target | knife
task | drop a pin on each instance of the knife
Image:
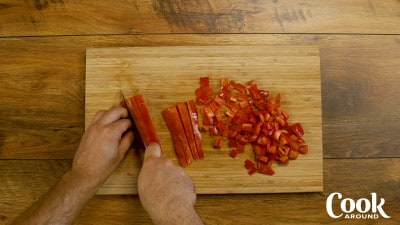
(128, 105)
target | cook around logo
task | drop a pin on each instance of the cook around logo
(363, 208)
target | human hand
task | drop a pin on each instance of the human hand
(165, 190)
(103, 146)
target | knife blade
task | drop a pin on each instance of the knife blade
(128, 105)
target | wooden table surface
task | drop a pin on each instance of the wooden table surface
(42, 71)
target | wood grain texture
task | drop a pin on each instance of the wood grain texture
(41, 93)
(45, 69)
(169, 75)
(66, 17)
(359, 78)
(24, 181)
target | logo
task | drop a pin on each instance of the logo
(362, 208)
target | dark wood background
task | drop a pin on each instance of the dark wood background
(42, 71)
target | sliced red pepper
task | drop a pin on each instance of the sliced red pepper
(142, 119)
(187, 125)
(171, 117)
(195, 126)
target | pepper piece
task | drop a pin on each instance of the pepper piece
(171, 117)
(195, 127)
(142, 119)
(187, 125)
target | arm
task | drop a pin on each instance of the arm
(165, 191)
(102, 148)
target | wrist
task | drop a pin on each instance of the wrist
(183, 214)
(80, 183)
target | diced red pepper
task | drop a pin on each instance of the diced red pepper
(252, 170)
(213, 131)
(243, 139)
(233, 153)
(258, 150)
(219, 100)
(231, 85)
(251, 116)
(249, 164)
(224, 82)
(218, 142)
(244, 104)
(297, 129)
(233, 143)
(220, 126)
(224, 93)
(230, 113)
(293, 154)
(267, 170)
(240, 87)
(204, 81)
(240, 147)
(263, 158)
(247, 127)
(284, 159)
(303, 149)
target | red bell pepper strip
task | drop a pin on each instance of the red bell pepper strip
(195, 127)
(171, 117)
(142, 119)
(187, 125)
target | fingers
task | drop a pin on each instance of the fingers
(120, 126)
(112, 115)
(153, 149)
(98, 115)
(126, 142)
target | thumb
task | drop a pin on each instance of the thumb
(153, 149)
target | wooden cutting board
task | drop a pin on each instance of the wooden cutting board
(168, 75)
